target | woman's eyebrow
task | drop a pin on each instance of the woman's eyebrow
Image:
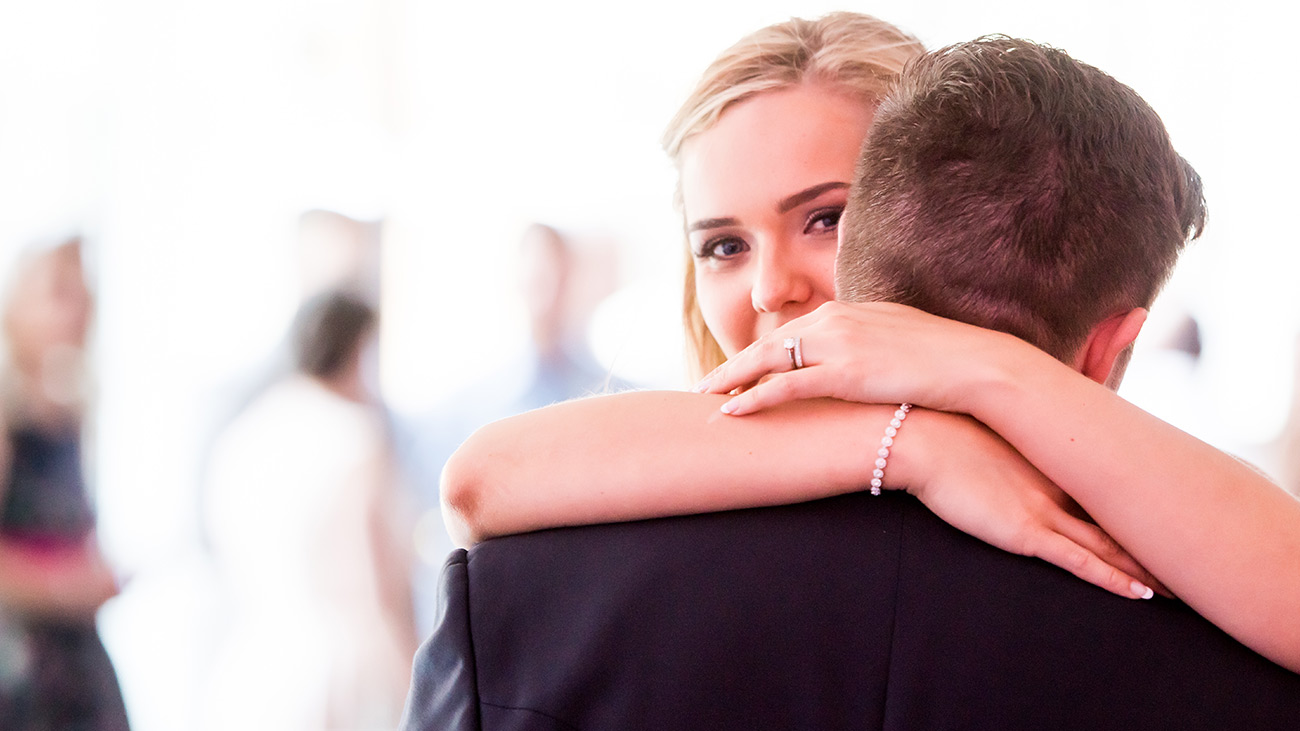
(707, 223)
(789, 204)
(785, 205)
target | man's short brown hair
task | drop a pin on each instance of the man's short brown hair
(1006, 184)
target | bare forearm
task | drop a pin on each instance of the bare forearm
(1214, 530)
(649, 454)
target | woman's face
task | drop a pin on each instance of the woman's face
(763, 190)
(50, 307)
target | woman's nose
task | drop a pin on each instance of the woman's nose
(779, 282)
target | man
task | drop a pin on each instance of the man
(861, 612)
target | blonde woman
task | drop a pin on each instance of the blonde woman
(764, 177)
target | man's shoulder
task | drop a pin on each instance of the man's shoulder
(730, 620)
(852, 612)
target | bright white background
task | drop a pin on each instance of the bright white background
(186, 136)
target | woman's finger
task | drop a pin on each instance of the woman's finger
(779, 389)
(764, 356)
(1100, 543)
(1057, 549)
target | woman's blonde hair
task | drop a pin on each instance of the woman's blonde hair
(859, 53)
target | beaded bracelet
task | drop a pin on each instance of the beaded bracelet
(887, 441)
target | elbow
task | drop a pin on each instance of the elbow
(460, 491)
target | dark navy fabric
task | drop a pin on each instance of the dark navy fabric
(54, 671)
(45, 496)
(855, 612)
(448, 676)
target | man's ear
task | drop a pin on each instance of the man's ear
(1108, 340)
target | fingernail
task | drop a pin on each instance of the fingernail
(1141, 591)
(729, 407)
(702, 386)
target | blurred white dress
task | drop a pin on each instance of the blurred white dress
(302, 510)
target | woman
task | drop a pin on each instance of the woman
(765, 149)
(303, 516)
(54, 671)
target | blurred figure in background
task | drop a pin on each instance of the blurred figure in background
(304, 517)
(54, 671)
(333, 251)
(559, 283)
(561, 366)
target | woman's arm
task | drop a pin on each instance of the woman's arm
(643, 454)
(69, 582)
(1217, 532)
(649, 454)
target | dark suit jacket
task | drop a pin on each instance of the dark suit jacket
(849, 613)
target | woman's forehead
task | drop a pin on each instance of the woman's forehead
(770, 145)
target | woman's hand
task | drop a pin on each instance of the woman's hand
(981, 485)
(871, 352)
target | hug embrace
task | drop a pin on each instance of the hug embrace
(975, 233)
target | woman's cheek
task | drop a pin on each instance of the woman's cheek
(728, 310)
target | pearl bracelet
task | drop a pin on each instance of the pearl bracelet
(887, 441)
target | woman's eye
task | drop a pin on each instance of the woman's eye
(823, 221)
(722, 249)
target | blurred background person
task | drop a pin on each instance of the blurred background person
(304, 518)
(557, 291)
(331, 251)
(54, 671)
(559, 282)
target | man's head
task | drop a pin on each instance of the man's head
(1007, 185)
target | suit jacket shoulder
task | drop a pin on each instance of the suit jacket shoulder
(443, 681)
(854, 612)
